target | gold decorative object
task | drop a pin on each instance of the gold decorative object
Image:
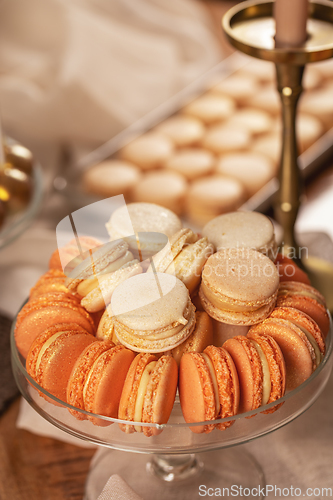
(250, 28)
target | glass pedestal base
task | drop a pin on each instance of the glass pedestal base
(229, 472)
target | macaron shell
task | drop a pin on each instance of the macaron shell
(309, 306)
(58, 360)
(298, 360)
(38, 343)
(41, 319)
(201, 337)
(239, 318)
(103, 391)
(276, 364)
(160, 394)
(130, 389)
(196, 392)
(100, 296)
(228, 383)
(248, 366)
(80, 372)
(302, 320)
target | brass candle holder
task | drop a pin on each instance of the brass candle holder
(250, 28)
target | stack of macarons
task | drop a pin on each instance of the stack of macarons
(114, 327)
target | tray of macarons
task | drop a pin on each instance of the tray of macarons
(171, 341)
(213, 148)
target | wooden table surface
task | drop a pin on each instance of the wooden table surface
(39, 468)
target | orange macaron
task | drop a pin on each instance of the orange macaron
(149, 393)
(298, 351)
(307, 299)
(307, 325)
(96, 381)
(289, 270)
(50, 282)
(74, 249)
(260, 367)
(201, 337)
(39, 314)
(53, 354)
(208, 388)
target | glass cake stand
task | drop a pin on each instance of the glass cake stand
(177, 461)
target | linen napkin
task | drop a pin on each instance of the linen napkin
(117, 489)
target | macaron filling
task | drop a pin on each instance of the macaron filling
(232, 305)
(89, 284)
(266, 377)
(145, 377)
(313, 342)
(214, 381)
(159, 340)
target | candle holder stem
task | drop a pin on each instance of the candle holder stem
(289, 83)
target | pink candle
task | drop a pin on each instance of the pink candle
(290, 19)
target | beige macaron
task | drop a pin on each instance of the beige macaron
(192, 162)
(211, 108)
(224, 138)
(111, 177)
(308, 128)
(325, 68)
(167, 188)
(269, 145)
(263, 71)
(211, 196)
(183, 130)
(242, 229)
(239, 87)
(253, 170)
(135, 218)
(152, 313)
(255, 121)
(239, 286)
(319, 103)
(184, 257)
(267, 98)
(148, 151)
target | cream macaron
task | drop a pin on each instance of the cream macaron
(184, 257)
(211, 196)
(183, 130)
(95, 278)
(111, 178)
(192, 162)
(242, 229)
(148, 151)
(239, 87)
(152, 312)
(239, 286)
(224, 138)
(253, 170)
(255, 121)
(211, 108)
(167, 188)
(135, 218)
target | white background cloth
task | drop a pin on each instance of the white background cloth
(81, 71)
